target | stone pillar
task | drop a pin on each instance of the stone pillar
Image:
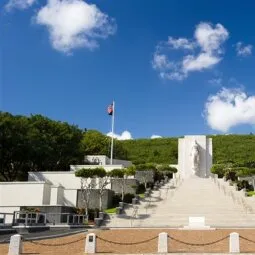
(234, 244)
(16, 245)
(162, 243)
(90, 243)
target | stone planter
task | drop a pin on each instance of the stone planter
(121, 204)
(137, 196)
(101, 215)
(119, 210)
(134, 201)
(146, 194)
(235, 186)
(148, 190)
(98, 222)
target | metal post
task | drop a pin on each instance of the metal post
(113, 114)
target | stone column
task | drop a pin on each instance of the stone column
(90, 243)
(162, 243)
(234, 244)
(16, 245)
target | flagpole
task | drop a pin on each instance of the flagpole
(113, 115)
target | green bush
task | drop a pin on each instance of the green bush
(140, 188)
(244, 185)
(116, 199)
(128, 198)
(231, 175)
(146, 166)
(93, 213)
(245, 171)
(159, 176)
(219, 169)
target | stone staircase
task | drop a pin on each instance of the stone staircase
(172, 205)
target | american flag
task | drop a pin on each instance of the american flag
(110, 109)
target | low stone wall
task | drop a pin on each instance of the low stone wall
(116, 185)
(140, 175)
(94, 199)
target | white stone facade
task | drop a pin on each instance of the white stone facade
(185, 156)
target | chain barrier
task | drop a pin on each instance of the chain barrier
(55, 245)
(196, 244)
(7, 240)
(244, 238)
(135, 243)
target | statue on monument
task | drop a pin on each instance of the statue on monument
(195, 157)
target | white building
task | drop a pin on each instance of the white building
(50, 188)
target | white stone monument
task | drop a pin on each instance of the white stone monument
(194, 156)
(90, 243)
(16, 245)
(163, 242)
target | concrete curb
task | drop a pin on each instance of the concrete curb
(47, 236)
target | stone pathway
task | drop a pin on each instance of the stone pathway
(171, 207)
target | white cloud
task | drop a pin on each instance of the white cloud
(216, 81)
(202, 61)
(229, 108)
(74, 24)
(207, 42)
(209, 38)
(181, 43)
(155, 136)
(126, 135)
(19, 4)
(242, 50)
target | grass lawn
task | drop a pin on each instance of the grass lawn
(141, 195)
(251, 193)
(110, 210)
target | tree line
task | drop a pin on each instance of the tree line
(37, 143)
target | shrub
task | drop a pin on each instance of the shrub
(231, 175)
(219, 169)
(116, 199)
(158, 176)
(93, 213)
(245, 171)
(244, 185)
(147, 166)
(140, 188)
(128, 198)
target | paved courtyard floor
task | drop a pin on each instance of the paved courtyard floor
(142, 241)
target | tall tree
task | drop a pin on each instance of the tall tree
(14, 147)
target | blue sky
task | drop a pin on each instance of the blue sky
(172, 67)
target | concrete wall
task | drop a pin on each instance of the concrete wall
(94, 199)
(104, 160)
(116, 185)
(66, 179)
(70, 197)
(24, 193)
(9, 209)
(106, 167)
(141, 175)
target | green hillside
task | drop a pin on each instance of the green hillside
(226, 148)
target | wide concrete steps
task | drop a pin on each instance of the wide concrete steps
(172, 207)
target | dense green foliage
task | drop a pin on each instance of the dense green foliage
(96, 143)
(36, 143)
(91, 172)
(238, 149)
(164, 150)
